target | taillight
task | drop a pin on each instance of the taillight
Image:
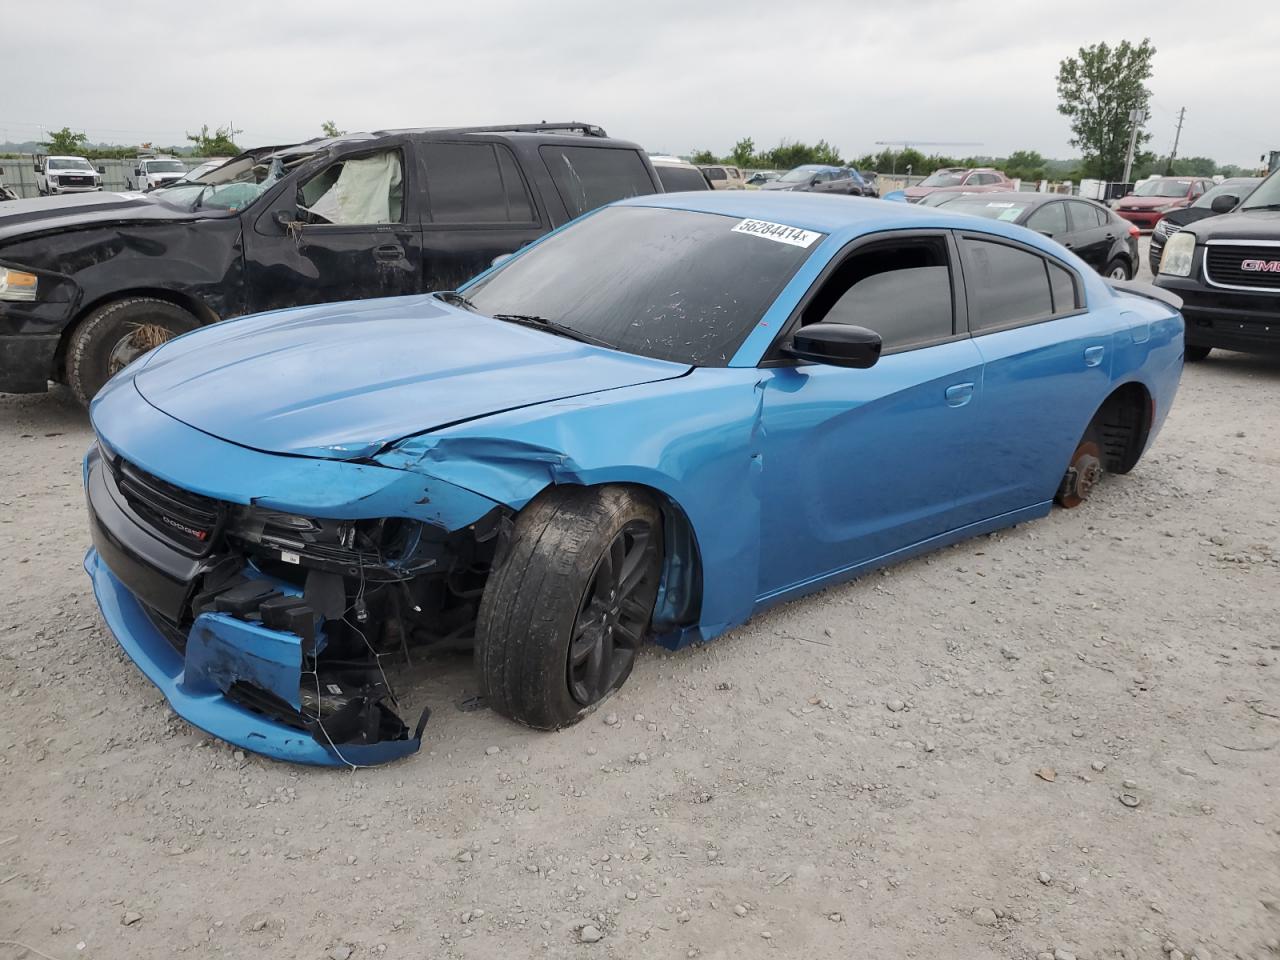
(1134, 231)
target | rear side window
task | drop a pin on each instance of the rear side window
(590, 177)
(675, 179)
(475, 183)
(715, 173)
(901, 290)
(1008, 286)
(1085, 216)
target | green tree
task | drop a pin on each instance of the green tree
(65, 141)
(216, 144)
(330, 129)
(744, 153)
(1025, 165)
(703, 156)
(1096, 90)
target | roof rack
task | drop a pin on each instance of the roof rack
(572, 126)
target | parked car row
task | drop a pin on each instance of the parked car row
(1236, 190)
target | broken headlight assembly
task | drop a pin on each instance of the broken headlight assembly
(17, 284)
(1178, 254)
(347, 547)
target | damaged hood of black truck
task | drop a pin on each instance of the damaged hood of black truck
(74, 211)
(343, 381)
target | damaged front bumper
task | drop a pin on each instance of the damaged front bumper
(272, 621)
(222, 651)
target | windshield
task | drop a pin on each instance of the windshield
(799, 174)
(231, 187)
(669, 284)
(70, 165)
(164, 166)
(943, 178)
(1267, 194)
(976, 205)
(1162, 188)
(1236, 188)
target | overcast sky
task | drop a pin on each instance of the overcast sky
(674, 76)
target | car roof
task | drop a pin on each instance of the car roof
(1019, 196)
(838, 216)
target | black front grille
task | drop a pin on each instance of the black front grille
(180, 516)
(65, 181)
(1243, 266)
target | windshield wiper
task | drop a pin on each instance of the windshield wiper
(551, 326)
(457, 299)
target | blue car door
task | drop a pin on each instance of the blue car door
(860, 463)
(1046, 369)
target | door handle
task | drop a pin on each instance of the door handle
(959, 394)
(1093, 356)
(389, 251)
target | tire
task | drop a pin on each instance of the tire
(1192, 353)
(116, 334)
(546, 602)
(1117, 269)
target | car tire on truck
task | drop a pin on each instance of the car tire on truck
(567, 608)
(116, 334)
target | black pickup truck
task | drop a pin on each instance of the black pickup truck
(1226, 269)
(89, 282)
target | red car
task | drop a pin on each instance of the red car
(1153, 198)
(959, 180)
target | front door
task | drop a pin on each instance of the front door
(348, 232)
(858, 464)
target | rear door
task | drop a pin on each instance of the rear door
(1046, 370)
(478, 207)
(347, 232)
(1093, 232)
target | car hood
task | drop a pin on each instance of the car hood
(1241, 225)
(342, 381)
(23, 218)
(1147, 203)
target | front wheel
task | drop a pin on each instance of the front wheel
(1116, 269)
(115, 335)
(565, 610)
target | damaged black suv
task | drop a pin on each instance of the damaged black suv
(89, 282)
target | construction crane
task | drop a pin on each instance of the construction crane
(904, 144)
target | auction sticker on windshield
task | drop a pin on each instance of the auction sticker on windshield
(778, 232)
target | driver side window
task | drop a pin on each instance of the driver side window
(355, 190)
(901, 289)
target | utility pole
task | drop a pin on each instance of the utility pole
(1168, 171)
(1136, 117)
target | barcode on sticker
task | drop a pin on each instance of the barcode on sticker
(779, 232)
(288, 557)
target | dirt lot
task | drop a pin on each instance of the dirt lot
(1061, 737)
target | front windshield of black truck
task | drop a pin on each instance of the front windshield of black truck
(669, 284)
(230, 188)
(1266, 197)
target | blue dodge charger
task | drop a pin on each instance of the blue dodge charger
(650, 425)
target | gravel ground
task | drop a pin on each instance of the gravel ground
(1062, 737)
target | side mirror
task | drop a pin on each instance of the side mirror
(137, 171)
(284, 219)
(1, 171)
(813, 181)
(1224, 203)
(836, 344)
(102, 170)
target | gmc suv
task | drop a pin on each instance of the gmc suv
(1226, 269)
(88, 283)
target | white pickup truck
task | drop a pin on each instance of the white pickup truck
(56, 175)
(151, 172)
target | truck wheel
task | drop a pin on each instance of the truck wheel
(565, 611)
(1194, 354)
(115, 335)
